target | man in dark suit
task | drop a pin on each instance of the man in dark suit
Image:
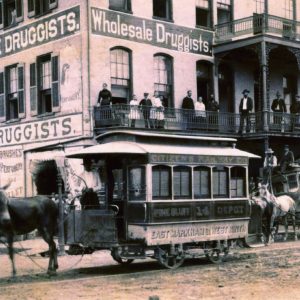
(246, 105)
(287, 159)
(188, 109)
(278, 106)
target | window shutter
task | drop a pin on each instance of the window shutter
(33, 90)
(19, 11)
(52, 4)
(21, 92)
(1, 14)
(55, 83)
(31, 8)
(2, 98)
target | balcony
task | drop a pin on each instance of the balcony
(190, 122)
(257, 24)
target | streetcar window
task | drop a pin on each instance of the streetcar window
(137, 186)
(220, 182)
(237, 182)
(118, 184)
(201, 182)
(182, 182)
(292, 181)
(161, 182)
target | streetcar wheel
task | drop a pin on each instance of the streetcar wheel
(216, 256)
(173, 261)
(123, 261)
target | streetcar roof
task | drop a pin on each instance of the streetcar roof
(135, 148)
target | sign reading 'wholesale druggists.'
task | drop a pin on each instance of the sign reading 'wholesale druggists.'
(162, 34)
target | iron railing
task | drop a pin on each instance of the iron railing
(257, 24)
(174, 119)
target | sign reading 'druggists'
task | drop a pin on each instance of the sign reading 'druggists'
(55, 128)
(156, 33)
(48, 29)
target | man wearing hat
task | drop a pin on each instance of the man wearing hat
(287, 159)
(269, 163)
(246, 105)
(278, 106)
(146, 105)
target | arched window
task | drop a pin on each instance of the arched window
(237, 182)
(163, 78)
(182, 182)
(161, 182)
(201, 182)
(120, 70)
(204, 80)
(220, 182)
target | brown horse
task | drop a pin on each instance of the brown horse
(284, 206)
(21, 216)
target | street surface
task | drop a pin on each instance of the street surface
(271, 272)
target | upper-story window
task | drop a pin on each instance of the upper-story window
(122, 5)
(259, 6)
(162, 9)
(120, 72)
(11, 13)
(12, 104)
(203, 13)
(44, 84)
(289, 9)
(40, 7)
(163, 78)
(224, 11)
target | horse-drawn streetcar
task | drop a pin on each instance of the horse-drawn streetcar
(166, 196)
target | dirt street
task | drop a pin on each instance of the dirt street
(271, 272)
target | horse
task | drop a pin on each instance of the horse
(21, 216)
(284, 206)
(266, 212)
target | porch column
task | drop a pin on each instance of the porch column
(264, 87)
(216, 79)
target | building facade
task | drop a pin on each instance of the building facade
(55, 55)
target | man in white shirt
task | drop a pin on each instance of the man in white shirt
(92, 185)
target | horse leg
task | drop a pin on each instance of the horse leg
(53, 265)
(294, 225)
(10, 240)
(272, 235)
(286, 226)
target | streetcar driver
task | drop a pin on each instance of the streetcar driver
(92, 185)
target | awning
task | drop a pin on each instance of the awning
(132, 148)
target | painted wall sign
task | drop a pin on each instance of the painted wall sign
(40, 32)
(54, 128)
(184, 233)
(197, 159)
(11, 169)
(162, 34)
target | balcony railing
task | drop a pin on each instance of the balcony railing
(257, 24)
(172, 119)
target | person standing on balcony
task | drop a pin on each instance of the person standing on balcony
(188, 109)
(157, 111)
(295, 111)
(213, 109)
(278, 107)
(246, 105)
(134, 110)
(146, 105)
(200, 114)
(104, 101)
